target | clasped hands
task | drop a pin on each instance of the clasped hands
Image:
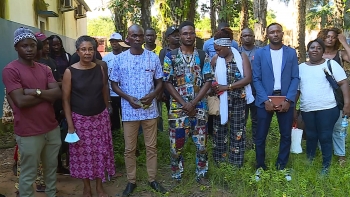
(283, 107)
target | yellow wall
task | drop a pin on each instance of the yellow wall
(22, 11)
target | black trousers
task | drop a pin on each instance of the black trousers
(117, 112)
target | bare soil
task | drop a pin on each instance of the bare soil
(70, 187)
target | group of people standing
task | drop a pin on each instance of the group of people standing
(90, 95)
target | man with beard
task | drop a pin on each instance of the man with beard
(275, 73)
(187, 78)
(133, 78)
(248, 47)
(117, 44)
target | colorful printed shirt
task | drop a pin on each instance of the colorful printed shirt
(135, 74)
(187, 76)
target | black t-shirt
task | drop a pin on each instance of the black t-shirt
(56, 74)
(51, 63)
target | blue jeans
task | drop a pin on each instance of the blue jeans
(319, 127)
(338, 142)
(285, 121)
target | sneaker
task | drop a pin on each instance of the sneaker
(324, 172)
(342, 161)
(203, 181)
(286, 174)
(288, 177)
(257, 174)
(40, 188)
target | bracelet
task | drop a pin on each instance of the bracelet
(230, 87)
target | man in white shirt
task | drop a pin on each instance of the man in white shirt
(117, 44)
(275, 73)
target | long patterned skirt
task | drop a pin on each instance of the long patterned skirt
(92, 156)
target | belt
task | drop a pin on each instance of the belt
(276, 93)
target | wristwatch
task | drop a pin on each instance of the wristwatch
(38, 92)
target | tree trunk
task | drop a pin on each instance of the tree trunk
(260, 10)
(347, 15)
(301, 6)
(221, 13)
(176, 11)
(192, 11)
(338, 14)
(119, 22)
(244, 14)
(146, 13)
(212, 17)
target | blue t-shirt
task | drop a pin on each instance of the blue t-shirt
(208, 47)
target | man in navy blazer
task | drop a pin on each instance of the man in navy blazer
(275, 73)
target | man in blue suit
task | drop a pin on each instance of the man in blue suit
(275, 73)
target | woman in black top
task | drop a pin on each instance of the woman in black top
(85, 100)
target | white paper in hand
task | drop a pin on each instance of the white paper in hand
(71, 138)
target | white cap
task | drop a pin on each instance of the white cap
(116, 36)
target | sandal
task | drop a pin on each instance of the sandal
(342, 162)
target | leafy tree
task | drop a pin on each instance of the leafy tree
(102, 26)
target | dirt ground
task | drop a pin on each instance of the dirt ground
(67, 186)
(70, 187)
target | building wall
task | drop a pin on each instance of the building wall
(64, 24)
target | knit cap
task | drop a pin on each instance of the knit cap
(23, 33)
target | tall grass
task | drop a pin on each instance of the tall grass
(230, 181)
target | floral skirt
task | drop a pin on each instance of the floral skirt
(92, 156)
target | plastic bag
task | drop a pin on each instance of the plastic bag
(297, 135)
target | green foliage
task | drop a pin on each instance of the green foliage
(240, 182)
(320, 15)
(203, 24)
(102, 26)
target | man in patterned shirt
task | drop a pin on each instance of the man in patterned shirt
(187, 78)
(132, 78)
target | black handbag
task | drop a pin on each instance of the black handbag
(338, 93)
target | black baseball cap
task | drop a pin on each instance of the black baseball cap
(170, 31)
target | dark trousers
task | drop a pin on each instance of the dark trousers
(117, 112)
(210, 125)
(253, 117)
(285, 121)
(319, 127)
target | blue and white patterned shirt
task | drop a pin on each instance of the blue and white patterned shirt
(135, 74)
(110, 63)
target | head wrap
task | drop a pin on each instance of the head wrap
(23, 33)
(225, 42)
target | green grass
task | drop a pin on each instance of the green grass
(230, 181)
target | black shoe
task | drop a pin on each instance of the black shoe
(63, 171)
(129, 189)
(158, 187)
